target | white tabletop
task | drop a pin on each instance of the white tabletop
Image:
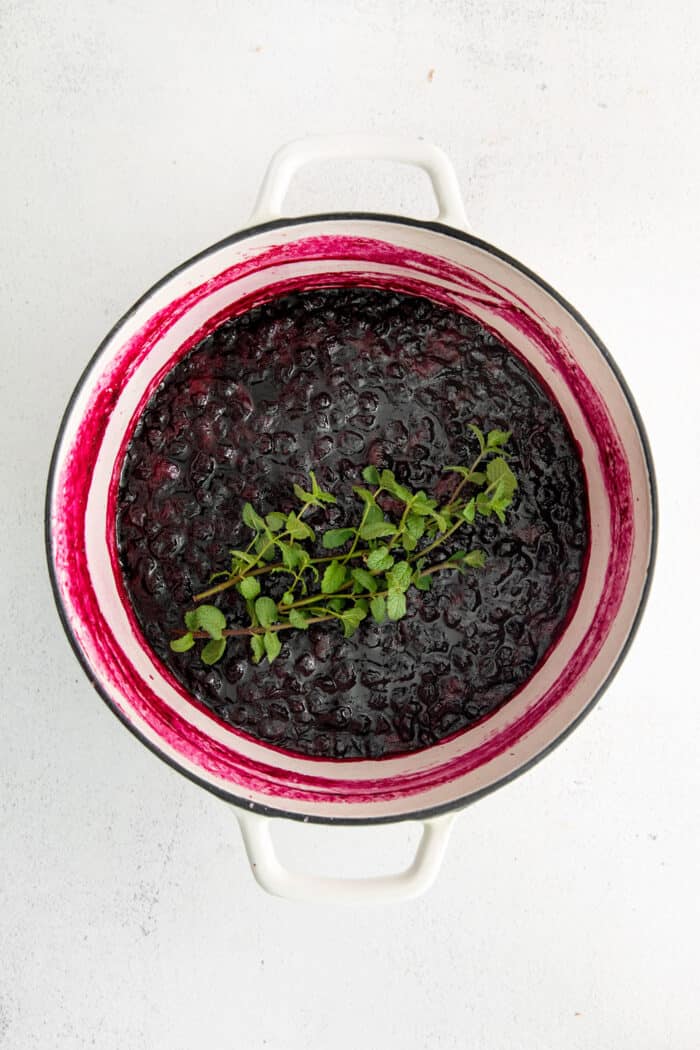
(567, 911)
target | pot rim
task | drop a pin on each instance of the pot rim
(437, 227)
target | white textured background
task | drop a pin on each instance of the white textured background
(133, 135)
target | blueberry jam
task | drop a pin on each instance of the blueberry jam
(331, 381)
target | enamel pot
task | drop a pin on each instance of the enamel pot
(275, 255)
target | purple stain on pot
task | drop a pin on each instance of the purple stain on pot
(94, 633)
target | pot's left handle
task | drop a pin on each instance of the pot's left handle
(294, 155)
(271, 874)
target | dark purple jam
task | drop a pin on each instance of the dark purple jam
(331, 381)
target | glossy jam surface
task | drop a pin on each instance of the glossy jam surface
(330, 381)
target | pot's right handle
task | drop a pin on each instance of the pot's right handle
(294, 155)
(271, 874)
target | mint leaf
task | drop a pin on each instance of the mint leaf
(469, 511)
(378, 607)
(251, 518)
(338, 604)
(380, 560)
(336, 538)
(395, 605)
(317, 491)
(304, 560)
(423, 583)
(240, 558)
(213, 650)
(402, 493)
(474, 558)
(371, 475)
(288, 597)
(442, 521)
(192, 620)
(499, 506)
(364, 494)
(373, 514)
(479, 436)
(301, 495)
(182, 644)
(211, 620)
(297, 619)
(498, 472)
(365, 579)
(377, 531)
(275, 521)
(297, 529)
(249, 587)
(273, 645)
(415, 526)
(483, 504)
(352, 620)
(266, 611)
(497, 438)
(399, 578)
(257, 646)
(389, 482)
(263, 547)
(291, 555)
(476, 477)
(333, 578)
(422, 506)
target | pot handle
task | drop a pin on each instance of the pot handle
(296, 885)
(294, 155)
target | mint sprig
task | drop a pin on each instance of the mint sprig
(375, 563)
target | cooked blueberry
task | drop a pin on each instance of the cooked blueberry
(331, 380)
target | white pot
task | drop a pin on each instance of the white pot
(435, 259)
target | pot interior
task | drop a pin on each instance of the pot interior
(467, 276)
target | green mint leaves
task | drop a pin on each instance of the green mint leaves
(380, 560)
(182, 644)
(266, 611)
(257, 647)
(207, 620)
(213, 650)
(399, 577)
(395, 605)
(317, 497)
(333, 578)
(249, 587)
(273, 645)
(337, 538)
